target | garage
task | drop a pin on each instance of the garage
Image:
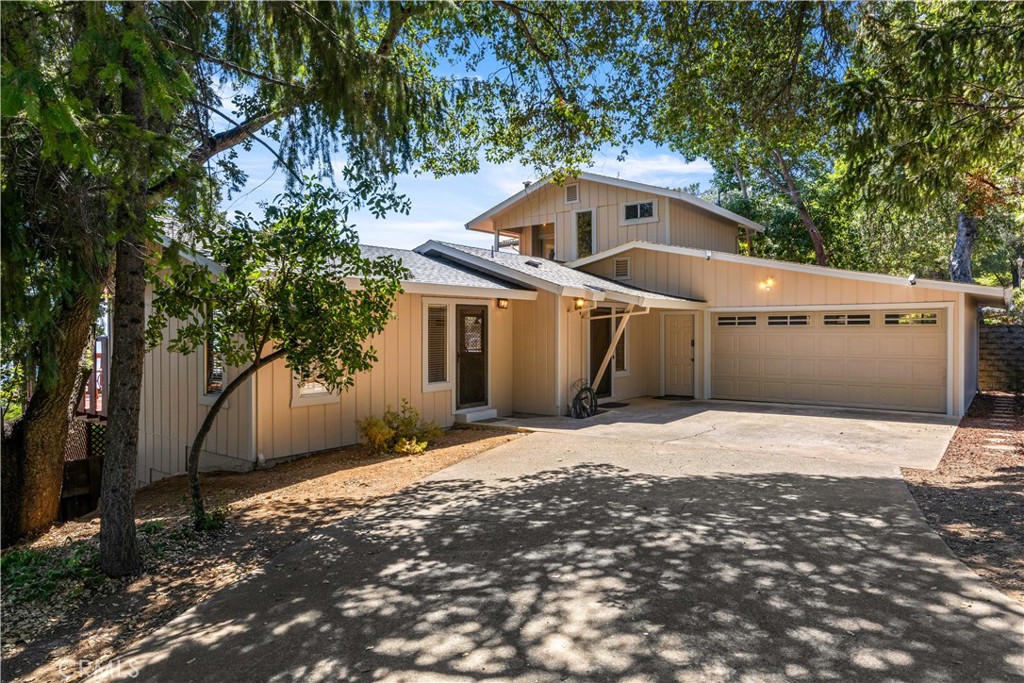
(891, 359)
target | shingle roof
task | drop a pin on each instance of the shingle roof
(550, 271)
(436, 270)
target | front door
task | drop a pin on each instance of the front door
(600, 338)
(679, 354)
(471, 356)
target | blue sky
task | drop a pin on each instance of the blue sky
(441, 206)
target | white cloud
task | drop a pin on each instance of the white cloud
(661, 169)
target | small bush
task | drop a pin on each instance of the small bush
(398, 431)
(410, 447)
(212, 518)
(33, 575)
(376, 434)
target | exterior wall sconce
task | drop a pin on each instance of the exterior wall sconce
(502, 304)
(578, 303)
(766, 285)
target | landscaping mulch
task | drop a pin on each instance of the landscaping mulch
(974, 499)
(69, 621)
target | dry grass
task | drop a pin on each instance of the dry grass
(94, 618)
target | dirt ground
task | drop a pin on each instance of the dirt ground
(975, 498)
(86, 623)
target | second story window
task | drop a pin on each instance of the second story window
(584, 234)
(639, 212)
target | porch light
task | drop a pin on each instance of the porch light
(578, 303)
(766, 285)
(502, 303)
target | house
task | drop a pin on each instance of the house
(637, 286)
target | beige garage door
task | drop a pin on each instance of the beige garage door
(872, 359)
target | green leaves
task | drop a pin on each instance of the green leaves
(295, 280)
(932, 104)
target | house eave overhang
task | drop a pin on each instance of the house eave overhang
(587, 293)
(684, 197)
(465, 291)
(994, 295)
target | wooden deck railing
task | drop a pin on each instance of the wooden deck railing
(94, 398)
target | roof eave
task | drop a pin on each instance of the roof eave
(980, 291)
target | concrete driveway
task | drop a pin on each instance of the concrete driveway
(766, 429)
(582, 557)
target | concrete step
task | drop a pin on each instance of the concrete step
(476, 415)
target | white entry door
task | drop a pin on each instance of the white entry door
(679, 354)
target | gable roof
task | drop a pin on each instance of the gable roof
(436, 275)
(533, 271)
(627, 185)
(982, 291)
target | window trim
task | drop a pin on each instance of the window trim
(737, 320)
(576, 228)
(629, 268)
(493, 313)
(623, 221)
(206, 399)
(449, 335)
(616, 321)
(319, 399)
(565, 195)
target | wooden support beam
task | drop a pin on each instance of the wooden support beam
(629, 313)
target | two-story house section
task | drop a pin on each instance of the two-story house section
(595, 213)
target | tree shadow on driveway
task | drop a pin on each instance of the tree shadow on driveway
(598, 573)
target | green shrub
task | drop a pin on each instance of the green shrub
(398, 431)
(410, 447)
(33, 574)
(213, 518)
(376, 434)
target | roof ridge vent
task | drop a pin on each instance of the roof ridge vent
(534, 263)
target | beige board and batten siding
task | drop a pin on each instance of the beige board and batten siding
(689, 226)
(727, 284)
(677, 222)
(533, 354)
(285, 431)
(171, 412)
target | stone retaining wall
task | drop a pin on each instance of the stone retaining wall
(1001, 358)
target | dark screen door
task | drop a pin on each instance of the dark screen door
(471, 350)
(600, 338)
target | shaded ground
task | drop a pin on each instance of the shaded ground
(93, 619)
(570, 558)
(975, 498)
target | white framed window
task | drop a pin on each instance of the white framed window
(585, 233)
(632, 213)
(311, 393)
(572, 194)
(622, 268)
(212, 371)
(621, 348)
(436, 366)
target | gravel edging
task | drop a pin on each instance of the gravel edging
(974, 499)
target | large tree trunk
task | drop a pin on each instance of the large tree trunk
(966, 236)
(743, 191)
(33, 448)
(119, 553)
(198, 506)
(793, 192)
